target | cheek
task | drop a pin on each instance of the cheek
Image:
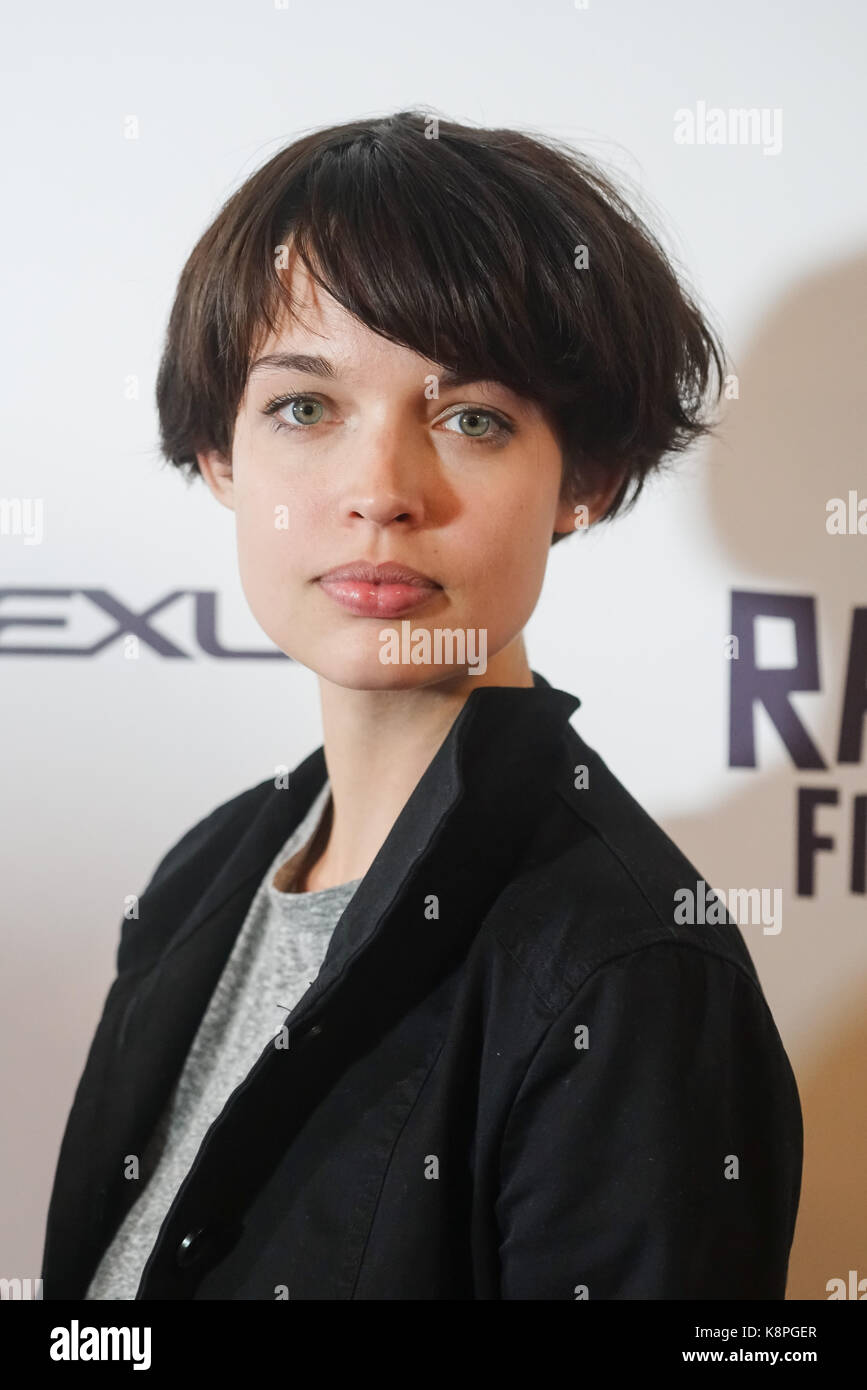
(272, 565)
(275, 523)
(271, 541)
(512, 528)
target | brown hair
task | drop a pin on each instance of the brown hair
(463, 244)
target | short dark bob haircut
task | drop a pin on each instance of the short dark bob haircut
(465, 245)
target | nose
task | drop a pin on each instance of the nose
(386, 480)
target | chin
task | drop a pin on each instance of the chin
(371, 675)
(364, 671)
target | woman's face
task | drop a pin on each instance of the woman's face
(383, 460)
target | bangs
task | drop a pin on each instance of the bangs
(433, 252)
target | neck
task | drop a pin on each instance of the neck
(378, 744)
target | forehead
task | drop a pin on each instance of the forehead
(314, 310)
(322, 338)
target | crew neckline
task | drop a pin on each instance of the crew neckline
(287, 865)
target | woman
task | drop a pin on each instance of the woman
(422, 1021)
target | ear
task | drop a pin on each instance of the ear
(216, 470)
(581, 508)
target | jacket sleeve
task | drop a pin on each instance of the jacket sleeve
(657, 1155)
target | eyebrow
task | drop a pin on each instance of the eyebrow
(314, 365)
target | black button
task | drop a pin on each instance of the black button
(188, 1252)
(206, 1243)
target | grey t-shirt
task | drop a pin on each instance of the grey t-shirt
(275, 958)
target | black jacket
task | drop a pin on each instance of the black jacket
(441, 1125)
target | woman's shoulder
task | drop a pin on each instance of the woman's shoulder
(601, 880)
(264, 809)
(220, 823)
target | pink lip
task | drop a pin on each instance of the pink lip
(378, 591)
(377, 600)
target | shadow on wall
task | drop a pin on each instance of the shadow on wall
(793, 440)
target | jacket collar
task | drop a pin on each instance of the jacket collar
(457, 840)
(493, 768)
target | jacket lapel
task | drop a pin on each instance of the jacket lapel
(457, 838)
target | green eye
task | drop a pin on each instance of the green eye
(302, 408)
(306, 410)
(480, 426)
(479, 422)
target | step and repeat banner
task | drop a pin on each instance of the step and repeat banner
(716, 635)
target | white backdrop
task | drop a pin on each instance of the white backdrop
(106, 761)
